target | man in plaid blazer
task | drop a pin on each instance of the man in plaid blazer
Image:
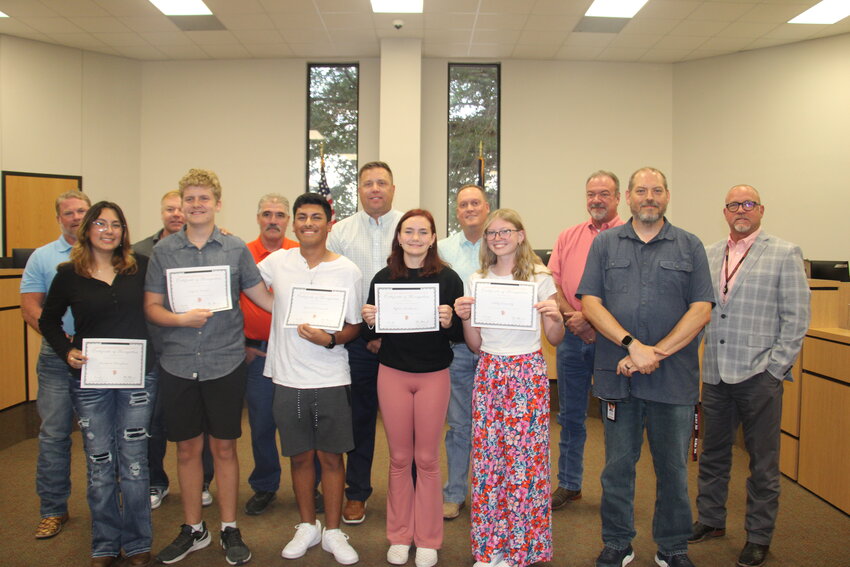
(756, 331)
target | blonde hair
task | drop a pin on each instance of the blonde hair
(73, 194)
(526, 262)
(201, 178)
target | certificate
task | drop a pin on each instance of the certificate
(323, 308)
(206, 287)
(502, 304)
(114, 363)
(407, 308)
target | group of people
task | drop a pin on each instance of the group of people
(625, 303)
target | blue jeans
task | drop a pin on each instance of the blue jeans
(575, 370)
(459, 417)
(364, 413)
(668, 428)
(53, 470)
(259, 395)
(114, 424)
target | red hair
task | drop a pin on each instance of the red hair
(432, 263)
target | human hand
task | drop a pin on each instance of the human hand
(445, 316)
(195, 318)
(374, 346)
(463, 307)
(76, 359)
(368, 313)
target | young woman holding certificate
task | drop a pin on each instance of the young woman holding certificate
(413, 380)
(103, 285)
(511, 518)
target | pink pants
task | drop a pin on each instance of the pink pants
(413, 406)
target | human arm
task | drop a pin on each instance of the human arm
(472, 335)
(31, 308)
(56, 303)
(261, 296)
(553, 321)
(689, 326)
(157, 314)
(321, 337)
(793, 310)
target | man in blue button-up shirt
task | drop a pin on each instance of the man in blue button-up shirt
(647, 290)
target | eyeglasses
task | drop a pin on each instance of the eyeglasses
(504, 233)
(747, 205)
(102, 225)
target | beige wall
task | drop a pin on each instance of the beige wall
(775, 118)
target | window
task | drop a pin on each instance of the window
(332, 103)
(473, 132)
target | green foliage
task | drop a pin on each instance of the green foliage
(473, 123)
(333, 111)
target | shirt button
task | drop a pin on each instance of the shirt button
(723, 342)
(723, 316)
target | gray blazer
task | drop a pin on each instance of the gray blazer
(762, 324)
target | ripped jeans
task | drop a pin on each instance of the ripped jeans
(115, 426)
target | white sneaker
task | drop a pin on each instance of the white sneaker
(494, 561)
(157, 496)
(306, 536)
(426, 557)
(206, 497)
(397, 554)
(336, 542)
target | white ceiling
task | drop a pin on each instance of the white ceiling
(663, 31)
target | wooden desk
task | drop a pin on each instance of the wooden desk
(13, 384)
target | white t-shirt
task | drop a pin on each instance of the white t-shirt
(510, 342)
(293, 361)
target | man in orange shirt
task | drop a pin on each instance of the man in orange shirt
(273, 217)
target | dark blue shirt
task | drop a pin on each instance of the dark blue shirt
(647, 287)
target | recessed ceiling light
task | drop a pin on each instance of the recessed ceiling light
(182, 7)
(2, 15)
(397, 6)
(824, 12)
(615, 8)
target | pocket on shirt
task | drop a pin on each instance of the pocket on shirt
(617, 275)
(675, 276)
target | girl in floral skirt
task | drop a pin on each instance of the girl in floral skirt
(511, 516)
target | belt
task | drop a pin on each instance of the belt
(259, 345)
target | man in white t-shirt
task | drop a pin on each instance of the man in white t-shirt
(309, 367)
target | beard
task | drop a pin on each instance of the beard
(598, 213)
(649, 216)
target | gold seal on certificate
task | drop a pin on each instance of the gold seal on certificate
(323, 308)
(206, 287)
(407, 308)
(113, 363)
(505, 304)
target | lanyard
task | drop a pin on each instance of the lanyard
(734, 270)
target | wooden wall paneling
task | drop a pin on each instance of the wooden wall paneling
(29, 209)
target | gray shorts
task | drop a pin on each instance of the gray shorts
(313, 419)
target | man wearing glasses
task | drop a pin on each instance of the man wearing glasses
(755, 334)
(575, 353)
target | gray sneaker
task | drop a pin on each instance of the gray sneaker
(235, 550)
(184, 544)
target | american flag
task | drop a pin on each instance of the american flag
(325, 191)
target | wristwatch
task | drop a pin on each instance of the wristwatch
(627, 340)
(331, 344)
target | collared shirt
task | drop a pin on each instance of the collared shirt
(217, 348)
(570, 254)
(145, 247)
(365, 241)
(737, 251)
(41, 269)
(462, 255)
(258, 320)
(647, 287)
(293, 361)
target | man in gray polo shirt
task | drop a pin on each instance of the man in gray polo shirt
(203, 377)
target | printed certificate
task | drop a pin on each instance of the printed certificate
(114, 363)
(407, 308)
(206, 287)
(505, 304)
(323, 308)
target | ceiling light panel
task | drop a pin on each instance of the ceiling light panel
(614, 8)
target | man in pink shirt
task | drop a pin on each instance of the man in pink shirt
(576, 351)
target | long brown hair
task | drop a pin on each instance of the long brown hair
(432, 263)
(123, 259)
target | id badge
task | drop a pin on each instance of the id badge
(612, 411)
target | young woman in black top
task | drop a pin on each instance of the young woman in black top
(103, 285)
(413, 391)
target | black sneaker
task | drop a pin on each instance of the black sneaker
(701, 532)
(611, 557)
(235, 550)
(678, 560)
(258, 503)
(185, 543)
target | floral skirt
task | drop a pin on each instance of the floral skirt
(511, 512)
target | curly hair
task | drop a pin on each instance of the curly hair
(201, 178)
(123, 259)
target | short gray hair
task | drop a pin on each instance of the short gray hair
(273, 198)
(604, 173)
